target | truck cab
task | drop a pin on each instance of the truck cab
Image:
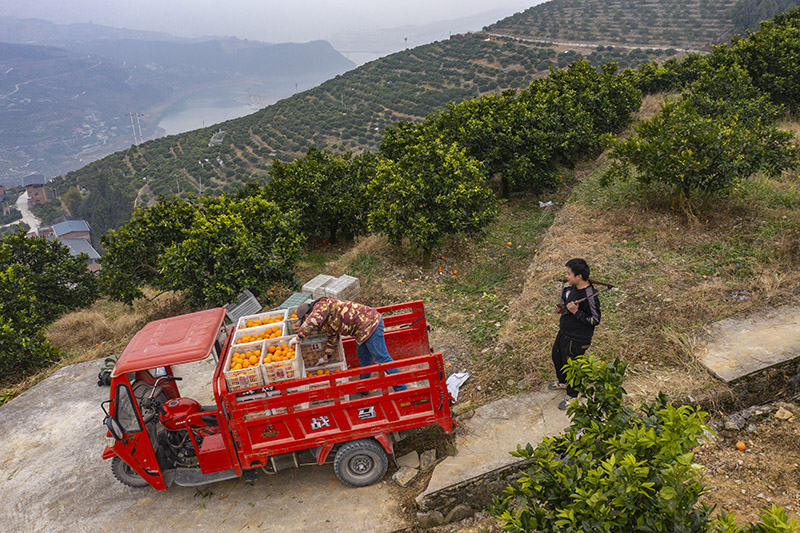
(226, 428)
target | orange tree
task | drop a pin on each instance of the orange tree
(431, 190)
(720, 132)
(326, 191)
(39, 281)
(209, 248)
(618, 467)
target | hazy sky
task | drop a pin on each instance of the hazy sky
(263, 20)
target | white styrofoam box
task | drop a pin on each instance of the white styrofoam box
(255, 332)
(244, 378)
(242, 323)
(315, 285)
(343, 288)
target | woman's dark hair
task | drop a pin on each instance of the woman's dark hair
(579, 268)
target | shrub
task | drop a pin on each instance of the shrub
(618, 467)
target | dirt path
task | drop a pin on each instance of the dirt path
(53, 479)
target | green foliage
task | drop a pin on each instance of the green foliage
(46, 276)
(773, 520)
(719, 133)
(39, 281)
(428, 192)
(14, 228)
(72, 200)
(12, 216)
(748, 14)
(325, 190)
(211, 249)
(525, 137)
(618, 467)
(47, 212)
(772, 58)
(6, 396)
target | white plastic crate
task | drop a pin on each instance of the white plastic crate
(324, 370)
(282, 370)
(343, 288)
(292, 324)
(244, 378)
(313, 348)
(315, 285)
(253, 333)
(242, 323)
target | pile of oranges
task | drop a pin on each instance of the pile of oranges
(322, 372)
(270, 333)
(276, 354)
(245, 359)
(262, 321)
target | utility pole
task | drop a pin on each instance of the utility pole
(406, 40)
(133, 127)
(139, 124)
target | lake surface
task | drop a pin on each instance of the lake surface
(211, 106)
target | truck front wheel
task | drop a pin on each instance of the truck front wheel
(360, 463)
(126, 475)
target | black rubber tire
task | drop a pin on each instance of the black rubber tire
(127, 475)
(360, 463)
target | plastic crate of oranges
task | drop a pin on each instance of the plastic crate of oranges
(260, 333)
(242, 366)
(292, 322)
(281, 361)
(261, 319)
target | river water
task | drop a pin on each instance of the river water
(213, 105)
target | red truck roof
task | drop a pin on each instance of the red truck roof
(171, 341)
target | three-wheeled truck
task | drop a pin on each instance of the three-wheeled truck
(158, 437)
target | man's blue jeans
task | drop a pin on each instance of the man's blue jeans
(374, 351)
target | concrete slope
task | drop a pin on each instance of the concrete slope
(483, 465)
(740, 347)
(52, 478)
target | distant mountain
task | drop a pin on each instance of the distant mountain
(61, 108)
(368, 44)
(43, 32)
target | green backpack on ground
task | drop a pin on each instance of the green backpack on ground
(104, 377)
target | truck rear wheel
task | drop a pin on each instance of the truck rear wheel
(127, 475)
(360, 463)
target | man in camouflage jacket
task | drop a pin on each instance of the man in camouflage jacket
(341, 317)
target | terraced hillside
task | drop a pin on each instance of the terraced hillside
(347, 113)
(351, 111)
(690, 24)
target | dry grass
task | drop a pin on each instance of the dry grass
(651, 104)
(100, 331)
(675, 274)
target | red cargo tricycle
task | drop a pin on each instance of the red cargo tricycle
(158, 437)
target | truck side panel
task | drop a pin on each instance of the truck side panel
(311, 412)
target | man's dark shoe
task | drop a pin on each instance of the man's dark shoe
(566, 401)
(556, 385)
